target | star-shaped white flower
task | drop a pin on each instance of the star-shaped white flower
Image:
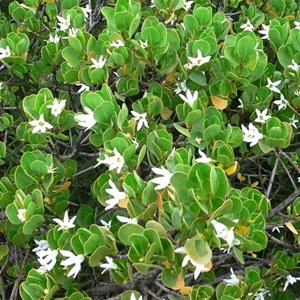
(225, 233)
(57, 107)
(265, 32)
(290, 280)
(86, 11)
(64, 24)
(73, 32)
(116, 194)
(86, 120)
(144, 44)
(83, 88)
(273, 85)
(203, 158)
(233, 279)
(115, 162)
(199, 267)
(21, 214)
(127, 220)
(53, 38)
(98, 64)
(181, 87)
(117, 43)
(277, 228)
(187, 5)
(141, 119)
(109, 266)
(294, 66)
(47, 259)
(294, 121)
(66, 223)
(72, 259)
(132, 297)
(282, 103)
(42, 245)
(197, 61)
(189, 98)
(107, 225)
(40, 125)
(297, 24)
(164, 179)
(297, 92)
(248, 26)
(5, 52)
(262, 117)
(241, 103)
(251, 135)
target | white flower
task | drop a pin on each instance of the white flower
(115, 162)
(294, 66)
(64, 24)
(260, 295)
(72, 259)
(66, 223)
(199, 267)
(144, 44)
(109, 266)
(203, 158)
(42, 245)
(73, 32)
(86, 120)
(297, 24)
(233, 279)
(117, 44)
(241, 103)
(132, 297)
(251, 135)
(261, 116)
(5, 52)
(40, 125)
(116, 194)
(297, 92)
(272, 85)
(83, 88)
(248, 26)
(55, 39)
(47, 259)
(290, 280)
(293, 121)
(21, 214)
(57, 107)
(86, 11)
(189, 98)
(225, 233)
(277, 228)
(141, 119)
(265, 32)
(198, 140)
(282, 103)
(164, 178)
(187, 5)
(127, 220)
(98, 64)
(198, 61)
(107, 225)
(181, 87)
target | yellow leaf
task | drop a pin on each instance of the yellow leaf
(65, 186)
(240, 177)
(185, 290)
(219, 102)
(208, 265)
(48, 1)
(179, 283)
(123, 203)
(290, 18)
(273, 14)
(47, 201)
(167, 264)
(170, 76)
(166, 114)
(242, 230)
(221, 45)
(254, 184)
(291, 227)
(232, 168)
(159, 202)
(171, 192)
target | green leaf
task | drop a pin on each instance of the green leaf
(104, 112)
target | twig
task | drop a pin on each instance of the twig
(85, 170)
(290, 160)
(284, 203)
(283, 244)
(288, 174)
(14, 292)
(272, 177)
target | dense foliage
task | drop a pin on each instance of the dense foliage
(150, 150)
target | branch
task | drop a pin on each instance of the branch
(272, 177)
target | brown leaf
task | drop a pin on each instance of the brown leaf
(240, 177)
(219, 102)
(291, 227)
(166, 114)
